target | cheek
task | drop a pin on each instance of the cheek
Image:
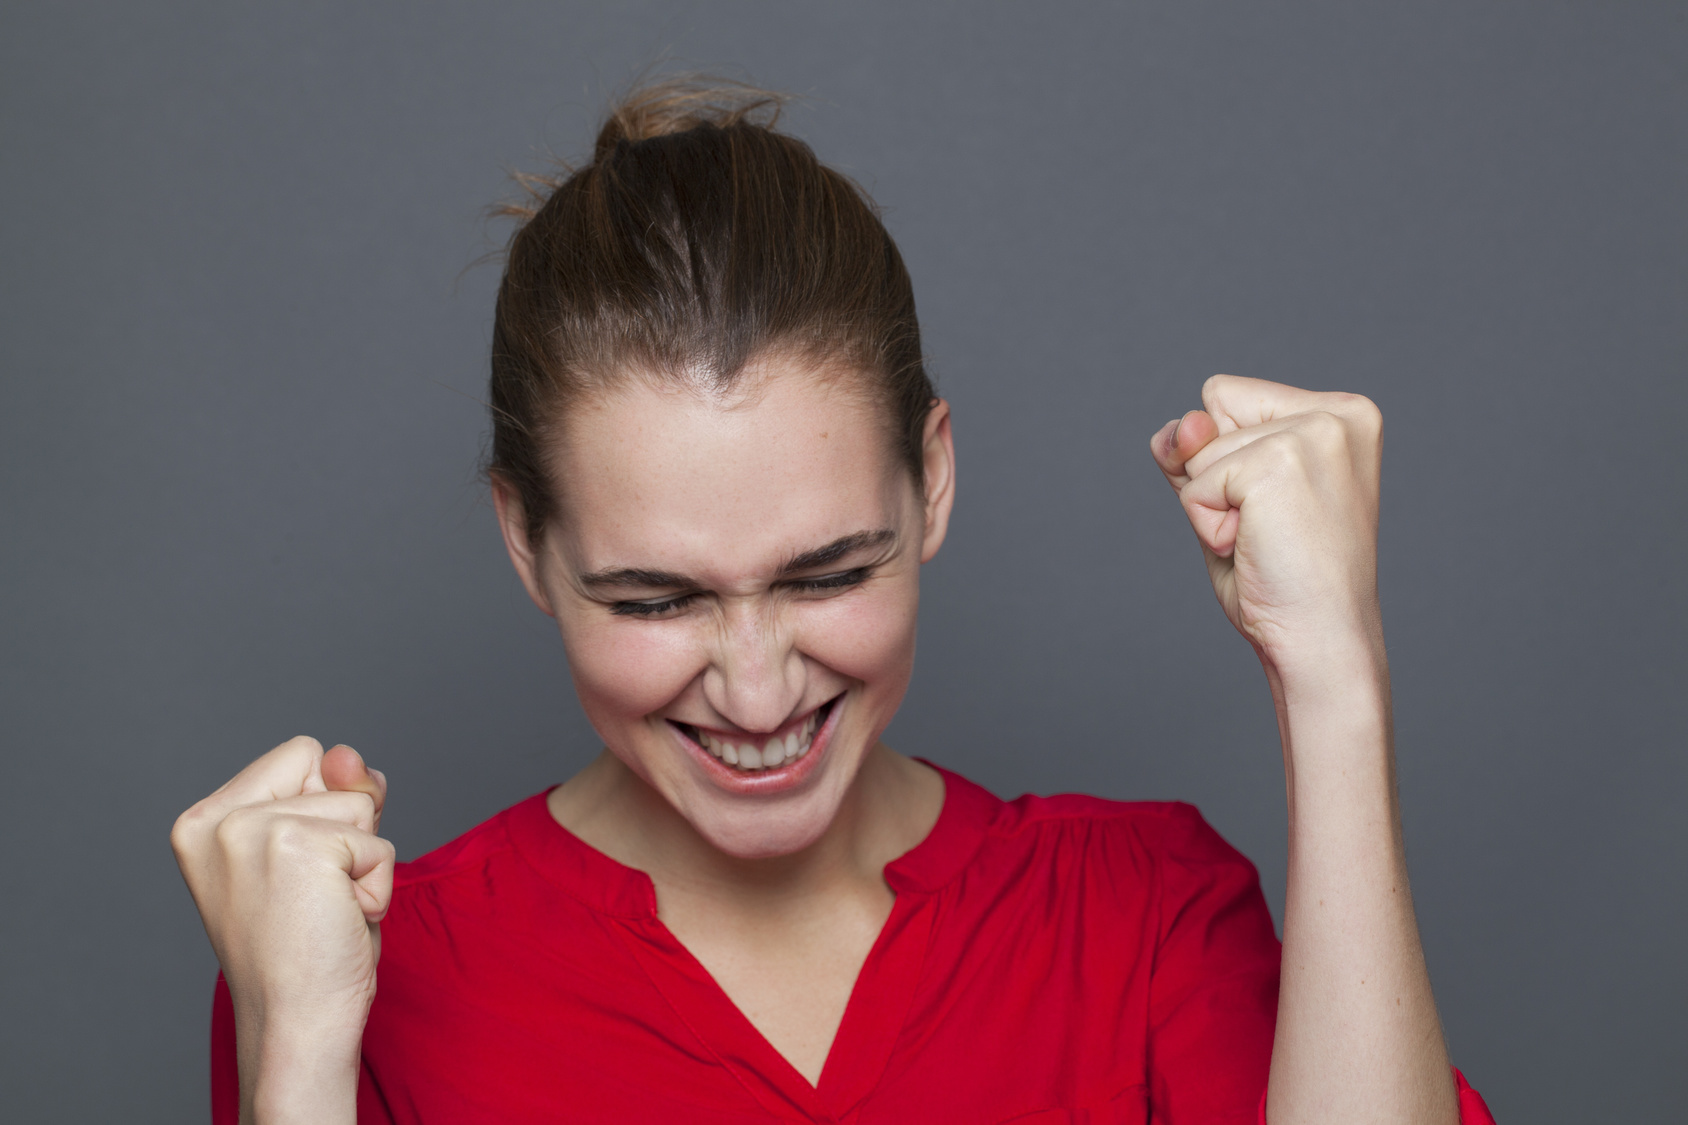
(625, 670)
(868, 636)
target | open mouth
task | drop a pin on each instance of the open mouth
(748, 755)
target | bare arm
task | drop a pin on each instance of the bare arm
(1281, 486)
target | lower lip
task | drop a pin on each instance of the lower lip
(788, 776)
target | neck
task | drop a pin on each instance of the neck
(889, 808)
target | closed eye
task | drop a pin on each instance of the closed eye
(837, 581)
(652, 608)
(826, 583)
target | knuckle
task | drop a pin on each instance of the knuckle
(1281, 452)
(301, 746)
(1362, 410)
(1356, 403)
(187, 826)
(234, 829)
(1371, 418)
(1288, 453)
(259, 830)
(1356, 407)
(1327, 429)
(363, 814)
(288, 838)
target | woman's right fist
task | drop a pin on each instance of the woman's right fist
(291, 883)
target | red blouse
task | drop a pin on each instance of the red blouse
(1060, 959)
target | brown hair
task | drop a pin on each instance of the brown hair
(697, 240)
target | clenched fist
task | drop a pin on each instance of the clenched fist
(1281, 487)
(292, 882)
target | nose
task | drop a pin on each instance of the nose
(755, 677)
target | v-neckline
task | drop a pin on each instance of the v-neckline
(880, 998)
(861, 1047)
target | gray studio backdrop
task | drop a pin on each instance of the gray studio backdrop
(242, 346)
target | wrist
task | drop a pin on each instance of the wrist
(1334, 718)
(1344, 671)
(300, 1082)
(295, 1069)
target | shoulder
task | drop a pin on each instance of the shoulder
(519, 870)
(1136, 848)
(1161, 831)
(1110, 876)
(1159, 864)
(487, 842)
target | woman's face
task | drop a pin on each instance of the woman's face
(736, 583)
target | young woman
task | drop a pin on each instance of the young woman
(719, 465)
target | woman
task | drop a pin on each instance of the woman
(719, 465)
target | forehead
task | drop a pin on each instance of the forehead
(657, 475)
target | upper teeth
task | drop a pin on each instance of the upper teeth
(770, 755)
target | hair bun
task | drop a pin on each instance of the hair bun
(686, 101)
(698, 240)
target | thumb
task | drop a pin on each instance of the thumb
(1178, 441)
(343, 769)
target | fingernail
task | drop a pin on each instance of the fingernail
(378, 776)
(1172, 435)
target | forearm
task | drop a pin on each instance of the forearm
(1358, 1038)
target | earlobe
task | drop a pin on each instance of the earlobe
(512, 522)
(939, 468)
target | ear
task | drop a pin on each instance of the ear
(938, 455)
(512, 521)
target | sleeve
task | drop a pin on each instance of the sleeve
(1473, 1110)
(225, 1063)
(1213, 992)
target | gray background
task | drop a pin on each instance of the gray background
(242, 353)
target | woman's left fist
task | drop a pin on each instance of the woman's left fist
(1281, 487)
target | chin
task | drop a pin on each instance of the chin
(766, 833)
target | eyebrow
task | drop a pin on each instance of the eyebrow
(843, 546)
